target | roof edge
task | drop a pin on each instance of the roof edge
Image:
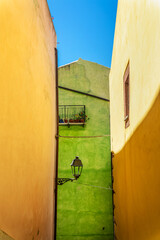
(68, 64)
(83, 60)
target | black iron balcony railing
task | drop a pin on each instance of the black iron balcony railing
(72, 115)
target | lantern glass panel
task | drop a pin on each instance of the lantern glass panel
(76, 171)
(76, 167)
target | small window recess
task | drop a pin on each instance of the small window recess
(126, 87)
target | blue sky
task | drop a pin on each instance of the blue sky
(85, 29)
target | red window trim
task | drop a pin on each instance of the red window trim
(126, 89)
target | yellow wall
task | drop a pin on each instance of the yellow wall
(27, 119)
(137, 148)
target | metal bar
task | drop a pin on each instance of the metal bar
(57, 143)
(68, 123)
(58, 136)
(61, 181)
(91, 95)
(113, 192)
(72, 105)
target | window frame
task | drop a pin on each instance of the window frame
(126, 90)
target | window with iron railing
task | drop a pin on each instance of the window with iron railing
(72, 115)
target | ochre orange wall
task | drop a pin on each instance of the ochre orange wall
(136, 148)
(137, 181)
(27, 119)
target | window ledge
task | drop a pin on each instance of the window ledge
(66, 124)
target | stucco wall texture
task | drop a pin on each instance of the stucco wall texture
(27, 119)
(85, 206)
(136, 148)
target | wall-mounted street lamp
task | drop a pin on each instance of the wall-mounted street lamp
(76, 167)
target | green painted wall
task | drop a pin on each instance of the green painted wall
(85, 206)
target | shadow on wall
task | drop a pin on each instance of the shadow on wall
(137, 181)
(4, 236)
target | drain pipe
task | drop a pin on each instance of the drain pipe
(113, 192)
(57, 144)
